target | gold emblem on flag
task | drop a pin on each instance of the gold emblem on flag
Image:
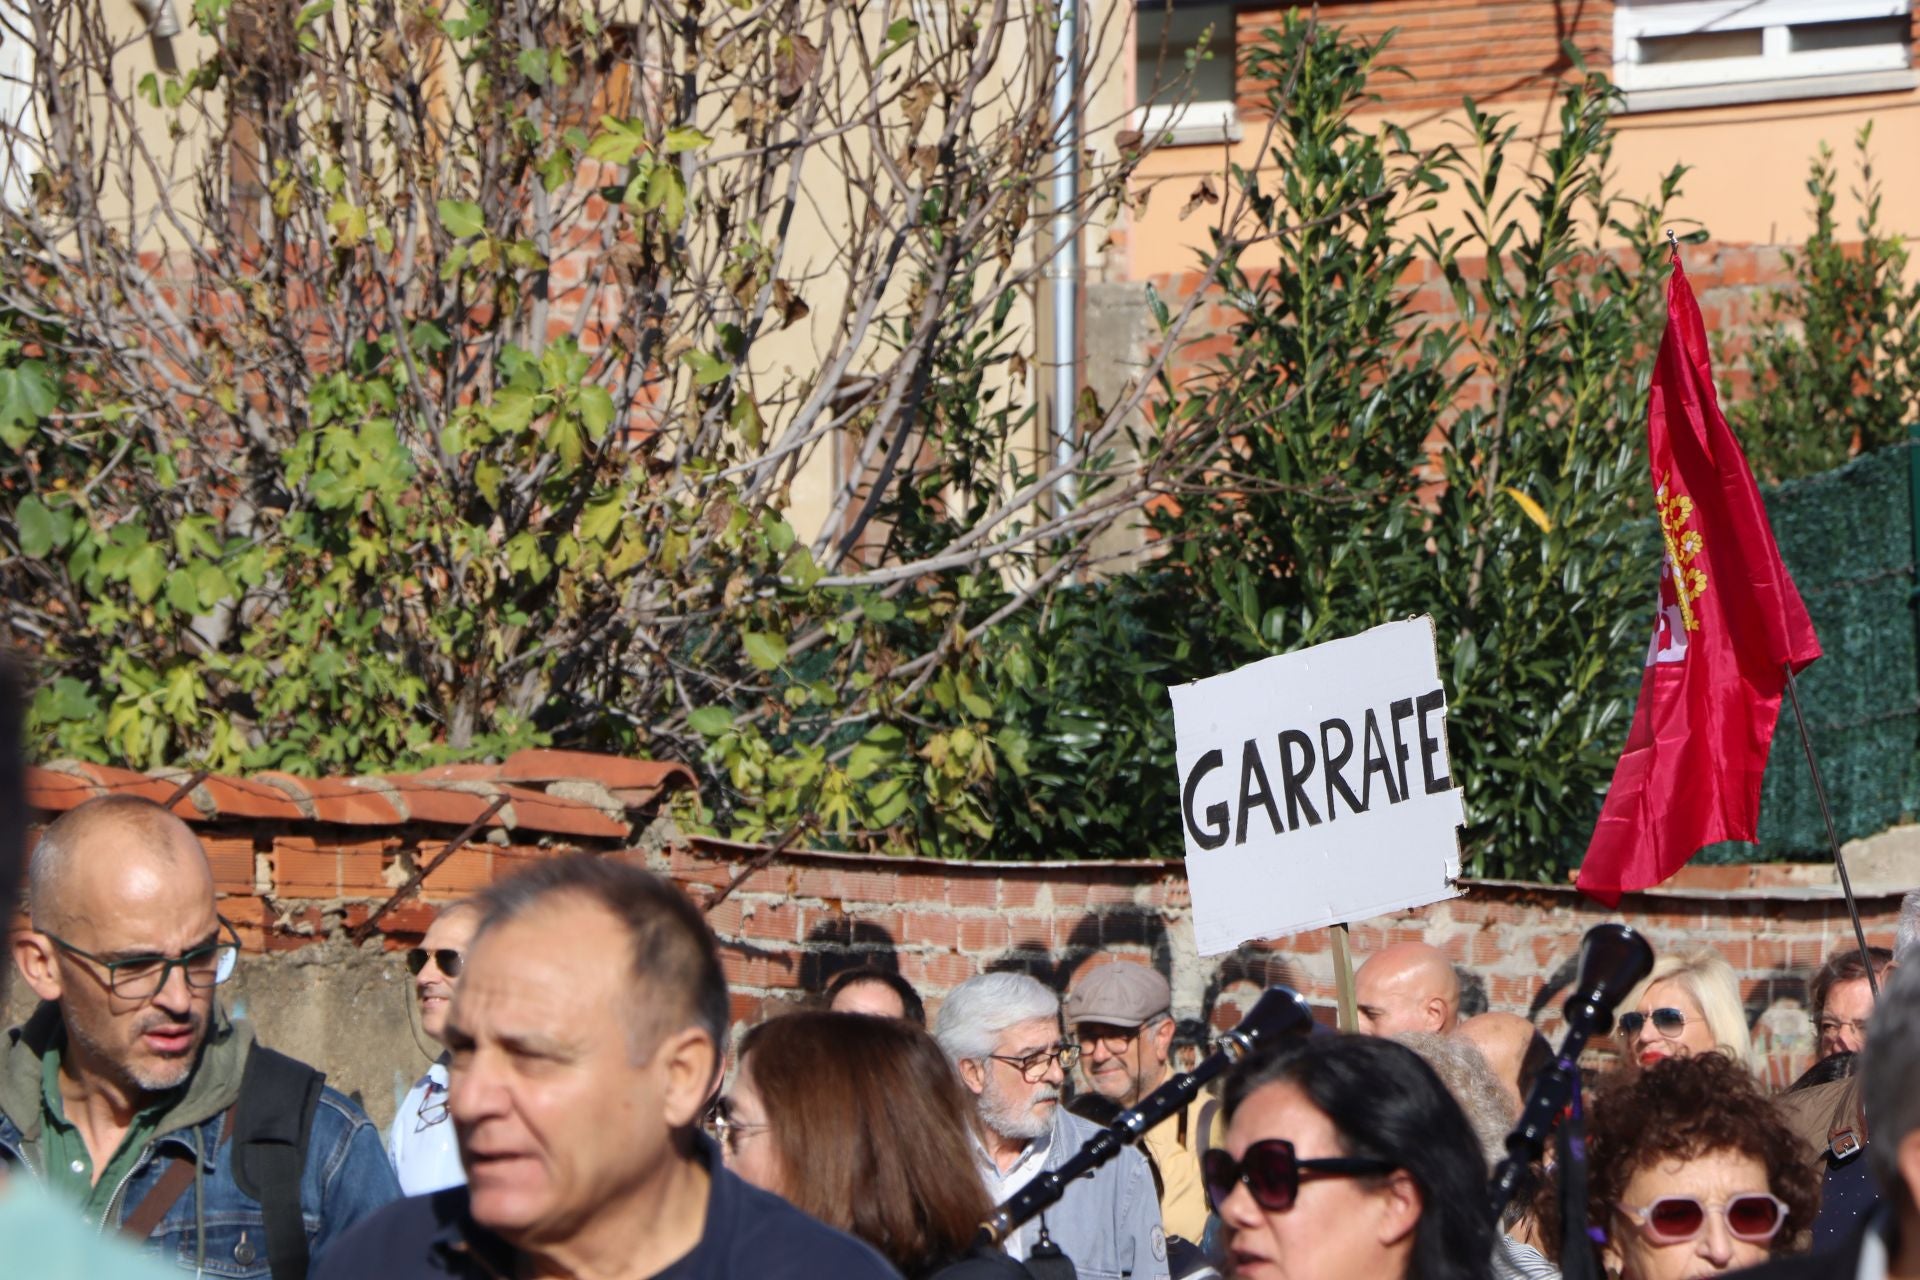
(1683, 546)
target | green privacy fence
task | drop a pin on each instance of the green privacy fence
(1848, 537)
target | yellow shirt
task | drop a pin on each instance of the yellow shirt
(1175, 1145)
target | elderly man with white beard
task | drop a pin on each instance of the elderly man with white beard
(1002, 1031)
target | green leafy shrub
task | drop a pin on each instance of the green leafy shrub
(1836, 362)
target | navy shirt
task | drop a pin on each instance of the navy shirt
(748, 1233)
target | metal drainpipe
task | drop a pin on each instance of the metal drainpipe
(1064, 269)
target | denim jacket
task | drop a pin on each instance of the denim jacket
(214, 1229)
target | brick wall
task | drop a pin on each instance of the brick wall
(1732, 282)
(296, 880)
(787, 928)
(1493, 52)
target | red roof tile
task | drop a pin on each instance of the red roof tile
(647, 778)
(111, 781)
(455, 804)
(537, 811)
(244, 798)
(56, 791)
(348, 801)
(585, 794)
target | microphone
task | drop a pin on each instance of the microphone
(1278, 1013)
(1613, 959)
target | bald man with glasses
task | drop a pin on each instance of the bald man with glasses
(130, 1092)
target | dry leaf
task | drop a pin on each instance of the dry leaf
(916, 102)
(794, 62)
(790, 305)
(1202, 194)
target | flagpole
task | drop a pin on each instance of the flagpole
(1833, 838)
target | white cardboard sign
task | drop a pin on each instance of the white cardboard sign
(1315, 788)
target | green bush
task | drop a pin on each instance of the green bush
(1836, 363)
(1338, 409)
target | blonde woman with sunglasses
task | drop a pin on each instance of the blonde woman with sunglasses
(1688, 1005)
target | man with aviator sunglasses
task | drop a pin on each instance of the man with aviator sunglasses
(421, 1141)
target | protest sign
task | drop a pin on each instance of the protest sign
(1315, 788)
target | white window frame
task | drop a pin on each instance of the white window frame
(1776, 73)
(1190, 123)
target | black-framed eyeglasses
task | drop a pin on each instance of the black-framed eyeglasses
(1668, 1022)
(1114, 1039)
(447, 958)
(728, 1131)
(1273, 1173)
(1033, 1066)
(139, 977)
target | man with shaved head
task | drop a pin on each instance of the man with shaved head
(1410, 986)
(131, 1093)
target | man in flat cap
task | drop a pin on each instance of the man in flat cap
(1122, 1015)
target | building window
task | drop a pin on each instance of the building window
(1183, 71)
(1685, 53)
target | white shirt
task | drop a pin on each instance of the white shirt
(1030, 1164)
(1874, 1256)
(421, 1142)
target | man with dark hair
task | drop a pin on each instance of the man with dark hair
(131, 1093)
(1842, 1000)
(1885, 1244)
(586, 1036)
(878, 992)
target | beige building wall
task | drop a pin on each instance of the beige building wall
(1746, 181)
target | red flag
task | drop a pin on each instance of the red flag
(1729, 623)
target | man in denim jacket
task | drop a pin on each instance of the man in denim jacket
(129, 1067)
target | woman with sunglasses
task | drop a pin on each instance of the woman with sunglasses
(861, 1122)
(1692, 1172)
(421, 1143)
(1345, 1158)
(1688, 1005)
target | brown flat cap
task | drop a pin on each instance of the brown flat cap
(1121, 994)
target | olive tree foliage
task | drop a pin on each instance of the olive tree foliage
(431, 382)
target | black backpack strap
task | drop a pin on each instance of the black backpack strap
(272, 1124)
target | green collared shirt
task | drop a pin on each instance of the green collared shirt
(70, 1170)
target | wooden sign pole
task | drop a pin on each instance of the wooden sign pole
(1343, 979)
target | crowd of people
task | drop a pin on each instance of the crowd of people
(594, 1113)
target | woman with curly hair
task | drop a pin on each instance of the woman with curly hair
(1691, 1172)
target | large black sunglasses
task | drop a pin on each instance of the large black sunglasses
(1273, 1173)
